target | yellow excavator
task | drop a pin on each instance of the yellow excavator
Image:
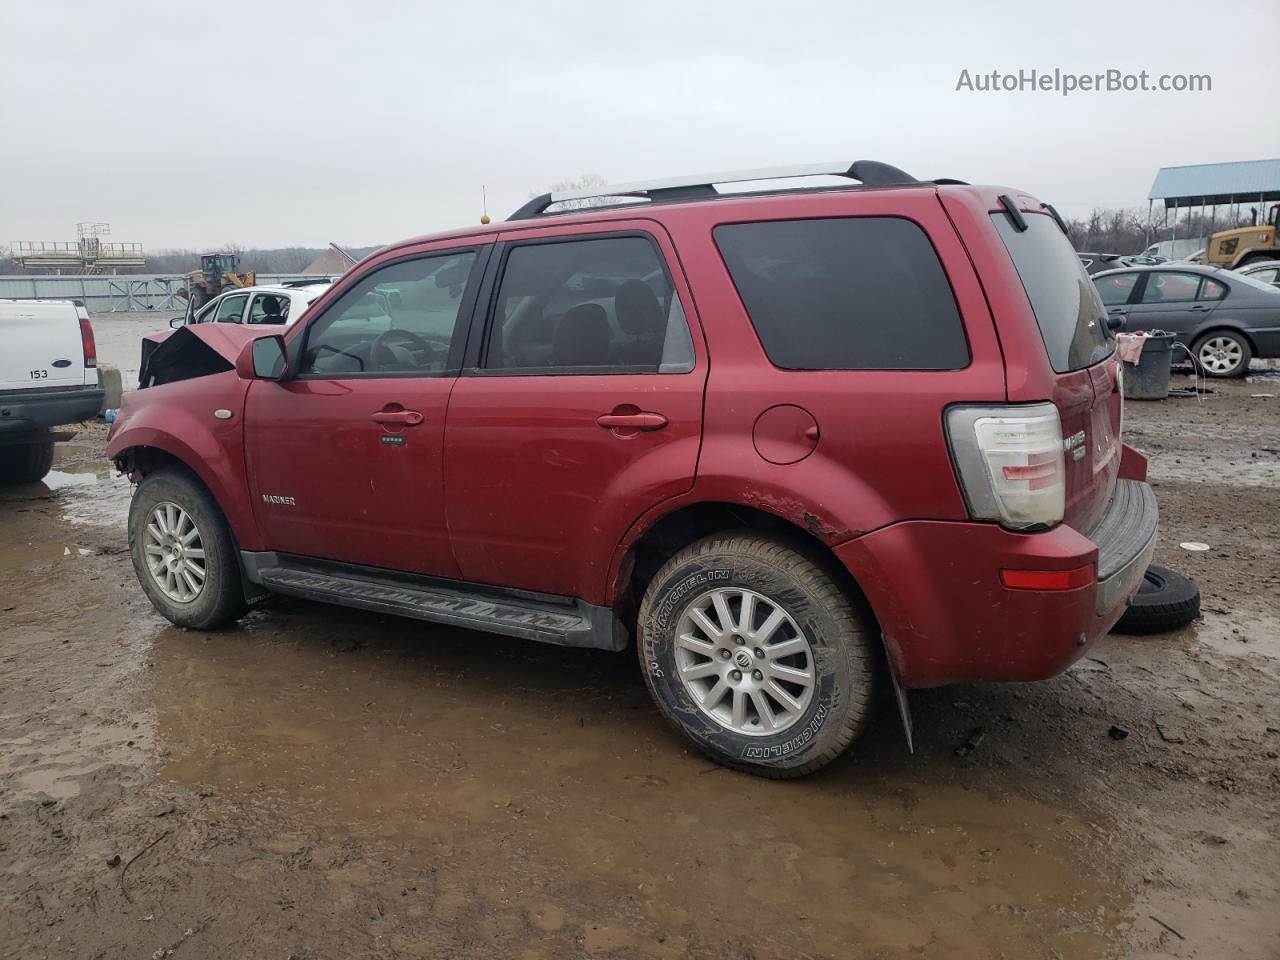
(218, 273)
(1235, 248)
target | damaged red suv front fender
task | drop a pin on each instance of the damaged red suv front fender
(197, 422)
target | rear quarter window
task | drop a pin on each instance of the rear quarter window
(1068, 310)
(850, 293)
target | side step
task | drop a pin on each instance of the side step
(560, 620)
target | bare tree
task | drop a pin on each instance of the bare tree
(1126, 230)
(585, 181)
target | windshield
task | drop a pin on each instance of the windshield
(1068, 310)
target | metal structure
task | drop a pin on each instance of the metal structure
(89, 255)
(1215, 184)
(105, 294)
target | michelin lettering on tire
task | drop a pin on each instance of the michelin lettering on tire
(791, 746)
(699, 579)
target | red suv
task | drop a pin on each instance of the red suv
(792, 442)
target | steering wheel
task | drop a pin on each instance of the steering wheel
(381, 354)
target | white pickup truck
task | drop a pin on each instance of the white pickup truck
(48, 377)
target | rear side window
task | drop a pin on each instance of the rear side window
(851, 293)
(1211, 290)
(1069, 312)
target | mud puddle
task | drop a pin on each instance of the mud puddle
(516, 769)
(1256, 639)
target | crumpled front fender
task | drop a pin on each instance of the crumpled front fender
(199, 423)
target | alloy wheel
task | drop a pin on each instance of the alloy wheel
(174, 551)
(1220, 354)
(744, 661)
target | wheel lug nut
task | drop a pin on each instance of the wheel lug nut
(739, 641)
(724, 654)
(736, 675)
(757, 675)
(759, 653)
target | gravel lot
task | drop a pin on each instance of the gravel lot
(328, 783)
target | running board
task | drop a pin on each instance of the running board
(549, 619)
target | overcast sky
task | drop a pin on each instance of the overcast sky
(273, 123)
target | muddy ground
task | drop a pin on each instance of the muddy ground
(322, 783)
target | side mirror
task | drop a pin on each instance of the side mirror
(262, 359)
(1116, 322)
(177, 322)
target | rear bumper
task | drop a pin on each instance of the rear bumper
(935, 588)
(1126, 539)
(22, 411)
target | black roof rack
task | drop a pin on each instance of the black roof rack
(869, 173)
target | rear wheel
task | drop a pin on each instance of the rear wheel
(757, 655)
(26, 462)
(183, 553)
(1222, 354)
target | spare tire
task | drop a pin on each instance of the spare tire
(1165, 601)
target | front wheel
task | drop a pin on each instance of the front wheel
(1222, 354)
(755, 653)
(183, 553)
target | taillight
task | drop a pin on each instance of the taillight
(90, 347)
(1010, 463)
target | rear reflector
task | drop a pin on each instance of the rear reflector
(1047, 579)
(90, 347)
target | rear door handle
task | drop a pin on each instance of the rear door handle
(642, 420)
(407, 418)
(1200, 307)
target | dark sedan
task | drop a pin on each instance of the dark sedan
(1097, 262)
(1224, 317)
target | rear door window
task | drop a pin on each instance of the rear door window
(1170, 287)
(590, 305)
(1068, 310)
(1116, 290)
(848, 293)
(269, 308)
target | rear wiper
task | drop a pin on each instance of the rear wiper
(1015, 215)
(1057, 217)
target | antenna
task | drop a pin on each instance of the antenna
(484, 205)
